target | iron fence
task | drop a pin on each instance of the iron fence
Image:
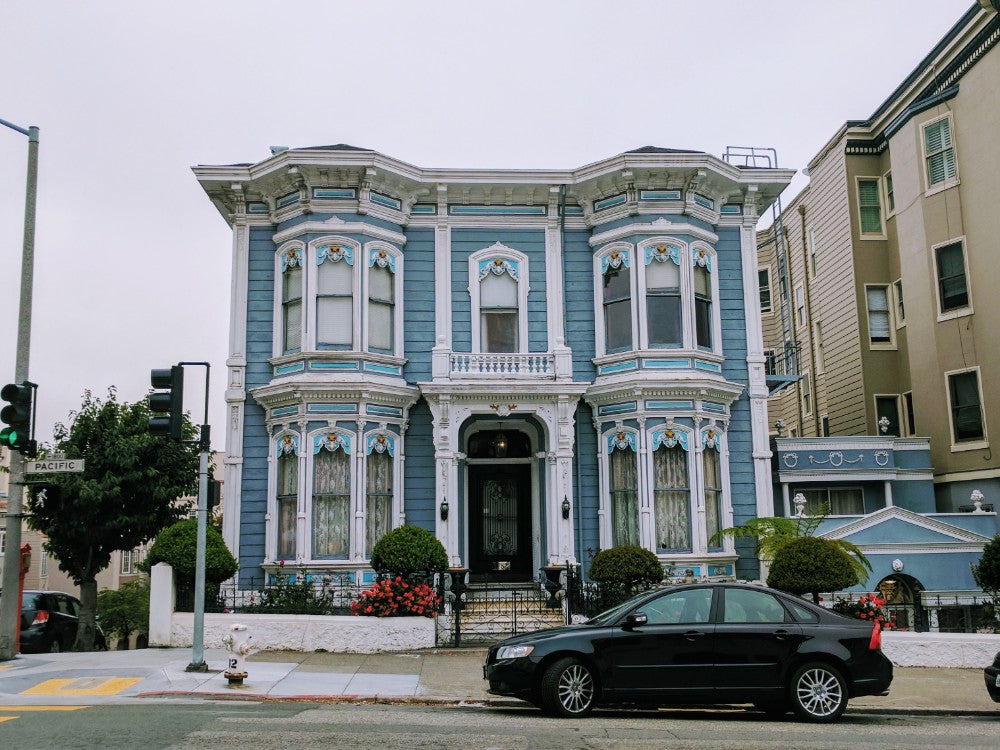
(942, 613)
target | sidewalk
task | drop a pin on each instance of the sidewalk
(435, 676)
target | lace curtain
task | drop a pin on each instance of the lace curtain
(624, 486)
(288, 490)
(713, 493)
(378, 513)
(331, 503)
(670, 497)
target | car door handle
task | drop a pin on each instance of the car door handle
(781, 634)
(692, 634)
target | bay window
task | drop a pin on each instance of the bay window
(671, 492)
(331, 498)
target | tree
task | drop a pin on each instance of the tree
(811, 564)
(177, 546)
(124, 496)
(125, 610)
(987, 571)
(773, 533)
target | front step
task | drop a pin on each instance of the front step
(493, 613)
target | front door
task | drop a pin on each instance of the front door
(500, 522)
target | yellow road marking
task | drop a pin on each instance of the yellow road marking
(83, 686)
(4, 666)
(20, 709)
(6, 718)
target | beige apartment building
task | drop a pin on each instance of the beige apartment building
(880, 281)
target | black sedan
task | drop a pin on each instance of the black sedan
(49, 621)
(704, 643)
(992, 676)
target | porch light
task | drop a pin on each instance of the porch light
(444, 509)
(565, 507)
(500, 445)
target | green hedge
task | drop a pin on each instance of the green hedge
(409, 550)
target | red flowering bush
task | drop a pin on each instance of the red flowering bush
(397, 597)
(869, 607)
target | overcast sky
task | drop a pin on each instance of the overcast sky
(133, 261)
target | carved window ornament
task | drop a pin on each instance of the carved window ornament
(621, 440)
(331, 441)
(335, 253)
(286, 445)
(380, 443)
(291, 258)
(663, 253)
(703, 258)
(670, 437)
(711, 437)
(498, 267)
(615, 259)
(379, 256)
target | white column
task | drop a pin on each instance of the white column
(555, 290)
(888, 494)
(441, 354)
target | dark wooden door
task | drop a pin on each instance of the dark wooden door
(500, 522)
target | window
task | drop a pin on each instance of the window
(663, 297)
(812, 252)
(890, 197)
(805, 390)
(818, 347)
(879, 329)
(335, 297)
(770, 362)
(939, 153)
(499, 298)
(381, 301)
(624, 488)
(897, 294)
(744, 605)
(965, 401)
(869, 209)
(887, 415)
(287, 496)
(331, 498)
(291, 300)
(911, 428)
(671, 494)
(686, 607)
(378, 505)
(800, 305)
(126, 562)
(952, 283)
(837, 501)
(617, 309)
(712, 471)
(702, 304)
(824, 423)
(764, 283)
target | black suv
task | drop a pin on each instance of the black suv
(48, 622)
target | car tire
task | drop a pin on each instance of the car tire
(568, 688)
(818, 693)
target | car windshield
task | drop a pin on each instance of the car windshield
(29, 600)
(615, 613)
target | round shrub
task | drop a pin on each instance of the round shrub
(627, 564)
(408, 550)
(809, 565)
(177, 545)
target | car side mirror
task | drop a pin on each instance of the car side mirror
(635, 619)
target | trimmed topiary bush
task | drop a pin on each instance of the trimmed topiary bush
(809, 565)
(177, 545)
(409, 550)
(620, 572)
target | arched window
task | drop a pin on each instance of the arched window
(287, 492)
(712, 465)
(663, 296)
(331, 499)
(334, 296)
(378, 506)
(291, 300)
(701, 261)
(381, 300)
(623, 486)
(499, 291)
(671, 491)
(617, 301)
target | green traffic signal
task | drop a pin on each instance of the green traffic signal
(17, 414)
(8, 438)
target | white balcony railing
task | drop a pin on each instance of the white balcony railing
(537, 366)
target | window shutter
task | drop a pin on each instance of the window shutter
(871, 216)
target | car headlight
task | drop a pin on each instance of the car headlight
(514, 652)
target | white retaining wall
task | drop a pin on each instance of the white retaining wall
(967, 650)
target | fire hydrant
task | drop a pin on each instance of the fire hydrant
(238, 644)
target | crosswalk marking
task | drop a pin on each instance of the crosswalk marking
(83, 686)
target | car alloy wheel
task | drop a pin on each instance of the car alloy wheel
(818, 693)
(568, 688)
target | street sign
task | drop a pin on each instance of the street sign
(54, 466)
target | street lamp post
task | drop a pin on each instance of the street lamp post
(9, 605)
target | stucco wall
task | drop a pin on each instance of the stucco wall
(965, 650)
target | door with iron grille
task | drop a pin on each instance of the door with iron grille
(500, 522)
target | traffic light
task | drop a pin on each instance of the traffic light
(17, 415)
(168, 398)
(214, 493)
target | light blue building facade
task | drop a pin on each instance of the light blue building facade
(531, 364)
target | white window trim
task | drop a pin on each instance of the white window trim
(357, 512)
(312, 285)
(278, 329)
(907, 415)
(271, 518)
(949, 183)
(503, 252)
(696, 495)
(807, 377)
(958, 312)
(899, 412)
(605, 512)
(897, 303)
(599, 332)
(824, 419)
(770, 308)
(972, 445)
(726, 511)
(397, 516)
(862, 234)
(397, 282)
(881, 345)
(887, 212)
(713, 278)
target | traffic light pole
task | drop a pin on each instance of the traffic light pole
(198, 631)
(9, 605)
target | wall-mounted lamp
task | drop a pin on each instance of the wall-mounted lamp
(565, 507)
(500, 445)
(444, 509)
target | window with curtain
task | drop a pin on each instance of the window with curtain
(378, 510)
(671, 499)
(764, 284)
(835, 501)
(331, 504)
(712, 465)
(624, 486)
(939, 152)
(878, 314)
(498, 313)
(381, 308)
(953, 290)
(291, 304)
(288, 491)
(663, 303)
(703, 306)
(868, 202)
(617, 309)
(966, 409)
(334, 300)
